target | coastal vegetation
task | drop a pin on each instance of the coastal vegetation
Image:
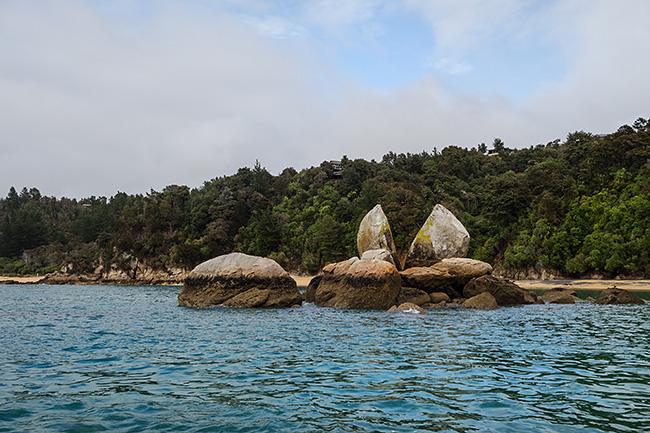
(578, 207)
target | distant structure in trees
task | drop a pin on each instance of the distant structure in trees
(336, 165)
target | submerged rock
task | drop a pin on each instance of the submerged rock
(482, 301)
(239, 280)
(374, 233)
(505, 292)
(407, 307)
(442, 236)
(616, 296)
(358, 283)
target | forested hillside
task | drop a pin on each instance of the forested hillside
(578, 207)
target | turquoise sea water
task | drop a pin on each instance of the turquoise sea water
(111, 358)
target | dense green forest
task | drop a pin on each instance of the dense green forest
(578, 207)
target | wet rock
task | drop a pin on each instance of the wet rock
(616, 296)
(407, 307)
(374, 233)
(438, 297)
(358, 284)
(505, 292)
(310, 293)
(482, 301)
(442, 236)
(380, 254)
(239, 280)
(428, 279)
(560, 295)
(434, 306)
(414, 296)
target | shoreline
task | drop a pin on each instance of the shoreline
(302, 281)
(631, 285)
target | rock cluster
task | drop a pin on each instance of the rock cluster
(435, 276)
(239, 280)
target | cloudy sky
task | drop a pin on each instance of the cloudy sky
(100, 96)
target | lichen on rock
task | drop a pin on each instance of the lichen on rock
(442, 236)
(374, 233)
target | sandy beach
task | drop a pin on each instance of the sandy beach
(302, 281)
(632, 285)
(23, 280)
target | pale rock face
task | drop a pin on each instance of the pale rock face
(239, 265)
(380, 254)
(442, 236)
(374, 232)
(239, 280)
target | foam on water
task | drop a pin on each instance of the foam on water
(97, 358)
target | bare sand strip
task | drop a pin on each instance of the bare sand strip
(302, 281)
(22, 280)
(631, 285)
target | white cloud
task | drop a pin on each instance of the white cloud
(275, 27)
(450, 66)
(93, 103)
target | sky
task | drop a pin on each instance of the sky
(101, 96)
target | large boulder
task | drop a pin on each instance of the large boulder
(462, 270)
(358, 283)
(505, 292)
(380, 254)
(374, 233)
(616, 296)
(482, 301)
(239, 280)
(430, 280)
(442, 236)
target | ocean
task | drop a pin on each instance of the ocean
(129, 359)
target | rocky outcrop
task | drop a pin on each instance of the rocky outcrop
(380, 254)
(482, 301)
(429, 280)
(408, 307)
(616, 296)
(505, 292)
(374, 233)
(414, 296)
(560, 295)
(239, 280)
(442, 236)
(358, 283)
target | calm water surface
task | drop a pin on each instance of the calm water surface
(111, 358)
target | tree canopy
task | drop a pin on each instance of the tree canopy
(577, 207)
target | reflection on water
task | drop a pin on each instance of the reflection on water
(93, 358)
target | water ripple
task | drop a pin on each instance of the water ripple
(81, 358)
